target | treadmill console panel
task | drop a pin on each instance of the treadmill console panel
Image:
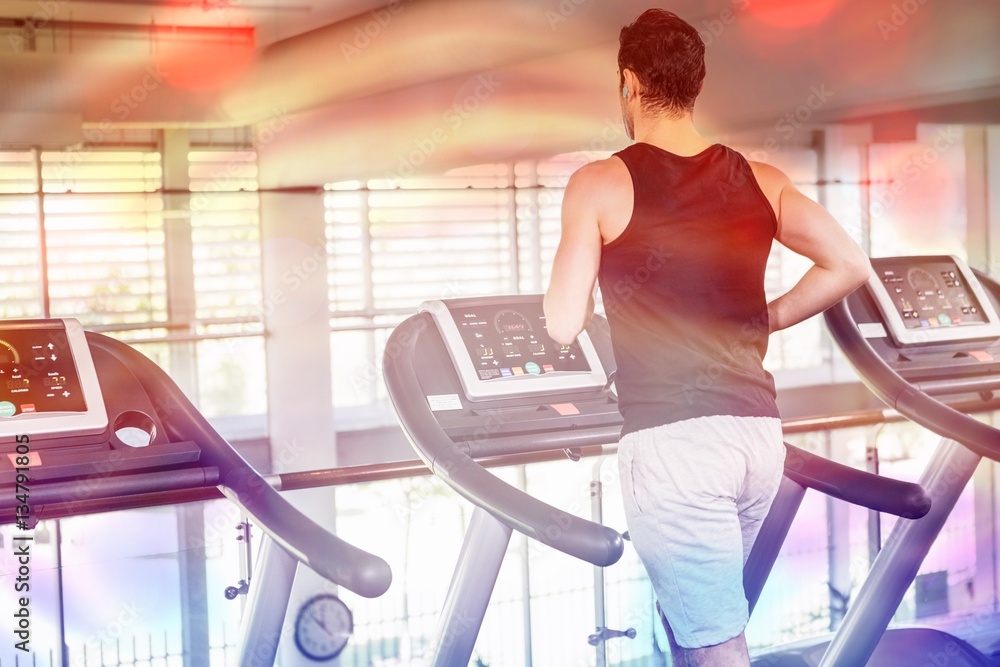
(501, 349)
(931, 299)
(48, 384)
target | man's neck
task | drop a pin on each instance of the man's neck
(677, 135)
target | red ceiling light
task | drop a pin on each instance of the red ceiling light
(791, 14)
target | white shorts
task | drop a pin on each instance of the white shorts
(695, 493)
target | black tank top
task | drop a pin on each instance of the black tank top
(683, 289)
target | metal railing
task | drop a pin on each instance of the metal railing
(410, 468)
(374, 643)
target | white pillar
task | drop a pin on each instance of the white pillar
(179, 255)
(297, 340)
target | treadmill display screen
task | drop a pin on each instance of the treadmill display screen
(930, 294)
(37, 371)
(501, 349)
(511, 340)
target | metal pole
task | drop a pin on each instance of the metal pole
(597, 516)
(472, 585)
(522, 482)
(874, 518)
(246, 563)
(949, 471)
(64, 649)
(267, 601)
(769, 540)
(838, 550)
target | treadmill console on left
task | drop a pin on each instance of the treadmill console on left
(47, 380)
(96, 420)
(83, 416)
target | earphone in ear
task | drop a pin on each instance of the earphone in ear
(625, 92)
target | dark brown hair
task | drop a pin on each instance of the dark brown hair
(667, 55)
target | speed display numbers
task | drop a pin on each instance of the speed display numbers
(37, 372)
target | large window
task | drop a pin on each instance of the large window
(96, 235)
(103, 227)
(392, 247)
(20, 259)
(489, 229)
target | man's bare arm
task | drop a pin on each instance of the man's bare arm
(569, 301)
(840, 266)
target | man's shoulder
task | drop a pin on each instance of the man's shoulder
(770, 179)
(603, 186)
(607, 173)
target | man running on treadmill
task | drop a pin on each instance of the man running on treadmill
(678, 230)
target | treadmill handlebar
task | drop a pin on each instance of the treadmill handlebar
(903, 499)
(314, 546)
(586, 540)
(902, 396)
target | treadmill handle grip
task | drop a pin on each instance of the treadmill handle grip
(331, 557)
(593, 542)
(313, 545)
(882, 494)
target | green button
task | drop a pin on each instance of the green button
(533, 368)
(944, 319)
(7, 409)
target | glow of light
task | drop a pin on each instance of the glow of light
(792, 14)
(205, 66)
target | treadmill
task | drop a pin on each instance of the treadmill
(477, 378)
(85, 417)
(923, 331)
